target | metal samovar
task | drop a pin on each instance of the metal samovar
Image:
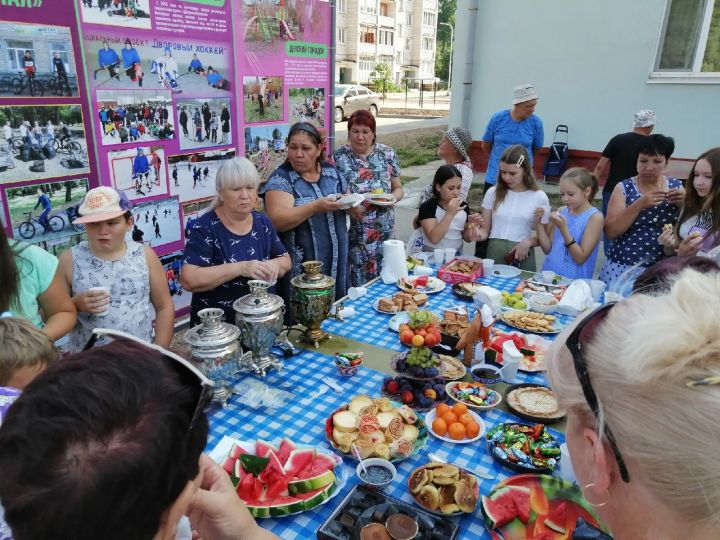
(216, 351)
(312, 297)
(259, 316)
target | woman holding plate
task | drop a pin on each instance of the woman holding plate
(372, 168)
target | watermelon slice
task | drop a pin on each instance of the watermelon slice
(499, 508)
(557, 519)
(286, 447)
(229, 465)
(276, 489)
(311, 484)
(236, 451)
(521, 498)
(245, 487)
(320, 464)
(280, 506)
(262, 448)
(254, 464)
(297, 461)
(421, 281)
(258, 489)
(273, 469)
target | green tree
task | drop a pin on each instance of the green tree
(446, 14)
(383, 77)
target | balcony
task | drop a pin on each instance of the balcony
(367, 18)
(427, 56)
(386, 50)
(387, 22)
(366, 49)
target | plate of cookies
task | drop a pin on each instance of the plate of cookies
(531, 321)
(377, 427)
(402, 301)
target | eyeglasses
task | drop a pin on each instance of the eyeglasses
(583, 333)
(189, 375)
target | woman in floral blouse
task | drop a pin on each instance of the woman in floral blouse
(369, 168)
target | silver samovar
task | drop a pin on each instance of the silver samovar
(259, 315)
(312, 297)
(216, 351)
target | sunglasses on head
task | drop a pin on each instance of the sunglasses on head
(189, 375)
(581, 335)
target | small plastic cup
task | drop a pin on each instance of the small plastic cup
(547, 276)
(488, 265)
(449, 254)
(438, 255)
(105, 290)
(356, 292)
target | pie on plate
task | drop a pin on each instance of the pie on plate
(537, 402)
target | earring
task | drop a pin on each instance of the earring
(596, 505)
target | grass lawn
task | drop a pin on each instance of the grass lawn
(419, 151)
(272, 113)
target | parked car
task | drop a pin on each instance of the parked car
(352, 97)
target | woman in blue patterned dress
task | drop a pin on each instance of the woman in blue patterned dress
(231, 244)
(301, 199)
(639, 208)
(368, 167)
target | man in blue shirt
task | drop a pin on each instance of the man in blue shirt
(44, 200)
(107, 59)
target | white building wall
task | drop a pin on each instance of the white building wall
(590, 63)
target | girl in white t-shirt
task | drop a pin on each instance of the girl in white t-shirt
(508, 211)
(697, 231)
(445, 218)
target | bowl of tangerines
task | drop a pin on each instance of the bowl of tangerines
(454, 423)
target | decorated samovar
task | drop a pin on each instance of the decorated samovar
(312, 297)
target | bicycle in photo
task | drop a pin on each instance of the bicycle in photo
(28, 229)
(66, 146)
(59, 85)
(25, 81)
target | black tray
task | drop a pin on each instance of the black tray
(515, 466)
(363, 506)
(525, 416)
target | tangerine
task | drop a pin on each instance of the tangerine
(450, 417)
(465, 419)
(441, 409)
(418, 340)
(439, 426)
(457, 431)
(460, 409)
(472, 429)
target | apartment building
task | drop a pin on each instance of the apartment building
(400, 33)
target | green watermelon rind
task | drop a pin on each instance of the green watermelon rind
(490, 519)
(311, 484)
(267, 511)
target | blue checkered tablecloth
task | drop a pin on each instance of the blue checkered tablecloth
(304, 423)
(370, 326)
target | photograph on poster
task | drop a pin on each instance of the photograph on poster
(172, 262)
(42, 212)
(38, 61)
(3, 215)
(192, 211)
(192, 176)
(123, 61)
(138, 172)
(57, 246)
(127, 116)
(262, 99)
(42, 141)
(307, 105)
(127, 13)
(268, 24)
(156, 222)
(203, 122)
(265, 147)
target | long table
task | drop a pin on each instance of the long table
(303, 420)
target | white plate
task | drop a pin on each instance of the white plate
(563, 282)
(376, 303)
(430, 417)
(352, 200)
(398, 319)
(434, 285)
(387, 199)
(504, 270)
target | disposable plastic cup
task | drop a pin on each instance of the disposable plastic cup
(449, 254)
(547, 276)
(438, 255)
(356, 292)
(106, 290)
(488, 265)
(509, 371)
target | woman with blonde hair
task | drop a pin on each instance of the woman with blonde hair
(231, 243)
(640, 380)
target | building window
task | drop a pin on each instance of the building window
(384, 10)
(386, 37)
(427, 43)
(340, 6)
(16, 50)
(341, 36)
(690, 40)
(368, 6)
(367, 35)
(367, 63)
(429, 18)
(408, 41)
(400, 30)
(408, 19)
(61, 48)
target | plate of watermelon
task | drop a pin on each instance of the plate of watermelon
(276, 480)
(532, 347)
(536, 506)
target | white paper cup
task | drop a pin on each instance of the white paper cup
(546, 214)
(449, 254)
(488, 265)
(547, 276)
(509, 371)
(438, 255)
(105, 290)
(356, 292)
(346, 313)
